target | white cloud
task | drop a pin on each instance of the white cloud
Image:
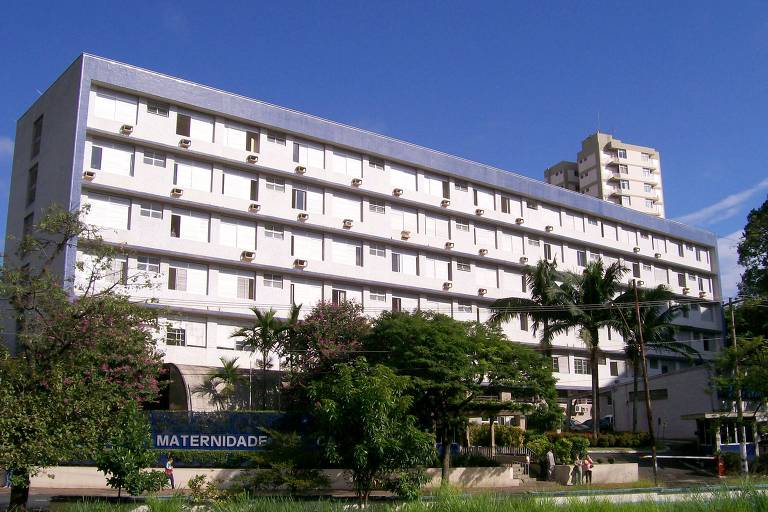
(730, 271)
(6, 146)
(724, 209)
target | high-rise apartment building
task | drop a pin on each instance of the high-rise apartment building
(610, 169)
(228, 203)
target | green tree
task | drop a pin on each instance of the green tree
(541, 281)
(753, 254)
(269, 336)
(745, 366)
(128, 452)
(220, 385)
(81, 351)
(362, 414)
(586, 298)
(656, 318)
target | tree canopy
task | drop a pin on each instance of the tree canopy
(753, 254)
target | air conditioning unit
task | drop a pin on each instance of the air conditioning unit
(302, 216)
(523, 259)
(657, 255)
(702, 295)
(549, 229)
(405, 234)
(482, 291)
(636, 249)
(89, 175)
(479, 211)
(445, 203)
(449, 245)
(252, 159)
(519, 220)
(686, 291)
(482, 252)
(185, 143)
(447, 285)
(640, 283)
(177, 192)
(356, 182)
(300, 169)
(126, 129)
(254, 207)
(397, 192)
(347, 223)
(247, 255)
(298, 263)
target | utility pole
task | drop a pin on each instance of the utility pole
(741, 428)
(648, 411)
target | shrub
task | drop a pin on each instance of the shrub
(564, 450)
(407, 484)
(760, 465)
(506, 435)
(580, 444)
(212, 459)
(539, 445)
(203, 490)
(732, 461)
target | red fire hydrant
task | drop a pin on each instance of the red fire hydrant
(720, 462)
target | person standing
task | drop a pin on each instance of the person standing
(550, 465)
(8, 476)
(577, 470)
(169, 471)
(586, 468)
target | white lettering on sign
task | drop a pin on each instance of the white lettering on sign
(209, 441)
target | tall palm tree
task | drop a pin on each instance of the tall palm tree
(656, 317)
(220, 386)
(540, 282)
(586, 300)
(268, 335)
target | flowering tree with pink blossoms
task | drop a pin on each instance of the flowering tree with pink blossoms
(77, 355)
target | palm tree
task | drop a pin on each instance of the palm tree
(656, 317)
(268, 335)
(220, 386)
(540, 281)
(586, 300)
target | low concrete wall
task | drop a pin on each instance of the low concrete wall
(601, 473)
(72, 477)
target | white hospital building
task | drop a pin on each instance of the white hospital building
(231, 203)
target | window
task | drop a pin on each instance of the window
(338, 296)
(465, 307)
(705, 342)
(309, 155)
(177, 279)
(37, 136)
(273, 231)
(524, 283)
(397, 304)
(108, 211)
(594, 256)
(148, 264)
(461, 186)
(534, 242)
(183, 125)
(649, 203)
(350, 164)
(299, 199)
(636, 270)
(31, 185)
(646, 173)
(581, 366)
(614, 368)
(115, 106)
(646, 268)
(621, 153)
(377, 205)
(592, 221)
(273, 281)
(645, 157)
(119, 271)
(396, 262)
(698, 254)
(581, 258)
(112, 157)
(623, 169)
(624, 184)
(276, 138)
(647, 188)
(547, 252)
(533, 205)
(154, 158)
(176, 336)
(462, 225)
(626, 201)
(463, 265)
(191, 174)
(680, 250)
(376, 163)
(151, 210)
(29, 221)
(242, 185)
(653, 363)
(556, 364)
(276, 184)
(377, 250)
(158, 108)
(681, 280)
(505, 208)
(523, 322)
(377, 295)
(240, 234)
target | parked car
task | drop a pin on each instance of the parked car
(606, 423)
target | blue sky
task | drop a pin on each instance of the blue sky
(514, 84)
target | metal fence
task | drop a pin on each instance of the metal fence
(485, 451)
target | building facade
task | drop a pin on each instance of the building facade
(614, 171)
(227, 203)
